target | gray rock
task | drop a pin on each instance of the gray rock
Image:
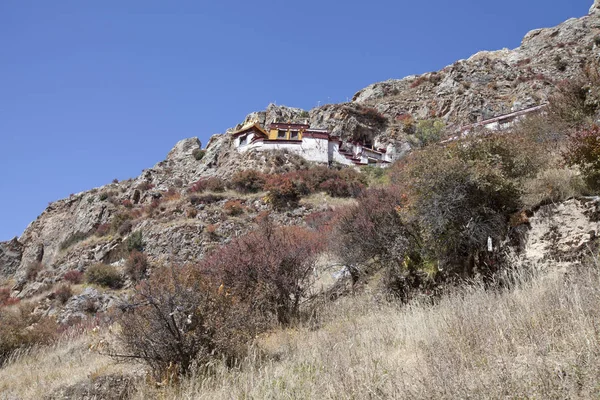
(11, 253)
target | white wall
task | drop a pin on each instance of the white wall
(311, 149)
(334, 148)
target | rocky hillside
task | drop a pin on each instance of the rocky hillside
(487, 84)
(64, 236)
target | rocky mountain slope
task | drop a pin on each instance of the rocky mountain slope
(64, 236)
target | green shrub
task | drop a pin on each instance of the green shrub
(125, 227)
(104, 275)
(198, 154)
(458, 202)
(208, 198)
(135, 242)
(428, 131)
(119, 220)
(374, 175)
(63, 293)
(575, 102)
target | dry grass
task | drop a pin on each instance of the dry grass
(552, 186)
(539, 340)
(40, 371)
(323, 199)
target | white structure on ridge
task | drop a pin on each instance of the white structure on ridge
(312, 144)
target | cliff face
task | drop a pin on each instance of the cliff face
(486, 84)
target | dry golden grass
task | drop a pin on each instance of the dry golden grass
(539, 340)
(553, 185)
(39, 371)
(321, 198)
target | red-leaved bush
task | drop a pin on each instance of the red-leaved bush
(247, 181)
(74, 276)
(5, 297)
(179, 318)
(286, 189)
(211, 184)
(270, 269)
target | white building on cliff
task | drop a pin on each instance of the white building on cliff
(312, 144)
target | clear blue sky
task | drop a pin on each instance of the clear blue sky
(96, 90)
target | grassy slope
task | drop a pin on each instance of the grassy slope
(538, 340)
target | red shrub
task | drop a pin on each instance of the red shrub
(345, 183)
(127, 204)
(211, 184)
(284, 190)
(371, 113)
(137, 265)
(320, 220)
(314, 177)
(418, 82)
(102, 230)
(404, 117)
(233, 207)
(73, 276)
(247, 181)
(270, 269)
(5, 297)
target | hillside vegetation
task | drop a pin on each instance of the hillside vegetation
(467, 269)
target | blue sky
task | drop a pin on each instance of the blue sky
(92, 91)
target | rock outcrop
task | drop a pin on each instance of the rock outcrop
(11, 253)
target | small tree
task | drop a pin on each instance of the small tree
(458, 202)
(180, 318)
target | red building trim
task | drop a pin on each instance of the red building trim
(315, 135)
(284, 141)
(277, 125)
